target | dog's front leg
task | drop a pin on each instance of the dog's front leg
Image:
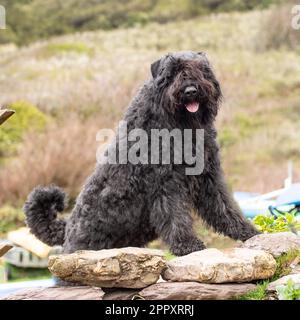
(216, 206)
(171, 219)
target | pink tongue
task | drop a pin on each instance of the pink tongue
(192, 107)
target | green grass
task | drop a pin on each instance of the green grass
(259, 293)
(283, 264)
(282, 269)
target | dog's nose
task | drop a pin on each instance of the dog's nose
(190, 91)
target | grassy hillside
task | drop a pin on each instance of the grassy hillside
(83, 82)
(29, 20)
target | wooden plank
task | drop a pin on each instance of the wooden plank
(23, 238)
(4, 248)
(5, 114)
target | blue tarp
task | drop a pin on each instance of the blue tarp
(290, 196)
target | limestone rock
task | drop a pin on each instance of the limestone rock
(274, 243)
(58, 293)
(220, 266)
(195, 291)
(124, 268)
(283, 281)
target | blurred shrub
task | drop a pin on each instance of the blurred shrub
(276, 30)
(27, 117)
(64, 154)
(10, 218)
(268, 223)
(29, 20)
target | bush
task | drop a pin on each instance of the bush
(276, 30)
(63, 154)
(27, 118)
(268, 223)
(10, 218)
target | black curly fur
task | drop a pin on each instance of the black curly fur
(41, 210)
(130, 205)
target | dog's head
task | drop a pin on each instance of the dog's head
(187, 85)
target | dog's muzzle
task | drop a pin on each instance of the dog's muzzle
(190, 95)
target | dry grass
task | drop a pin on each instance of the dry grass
(96, 74)
(277, 31)
(64, 154)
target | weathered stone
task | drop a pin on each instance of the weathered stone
(58, 293)
(124, 268)
(220, 266)
(274, 243)
(295, 269)
(283, 281)
(195, 291)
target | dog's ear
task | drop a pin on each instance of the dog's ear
(155, 68)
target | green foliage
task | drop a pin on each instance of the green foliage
(27, 117)
(283, 264)
(268, 223)
(29, 20)
(282, 269)
(290, 291)
(259, 293)
(10, 219)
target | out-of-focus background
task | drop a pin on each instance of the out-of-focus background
(70, 68)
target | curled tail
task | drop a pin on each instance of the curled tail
(41, 209)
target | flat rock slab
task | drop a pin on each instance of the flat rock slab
(58, 293)
(221, 266)
(283, 281)
(123, 268)
(195, 291)
(274, 243)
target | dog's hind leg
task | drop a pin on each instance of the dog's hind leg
(172, 221)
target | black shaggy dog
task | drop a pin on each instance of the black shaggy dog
(131, 204)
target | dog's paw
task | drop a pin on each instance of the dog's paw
(182, 249)
(247, 235)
